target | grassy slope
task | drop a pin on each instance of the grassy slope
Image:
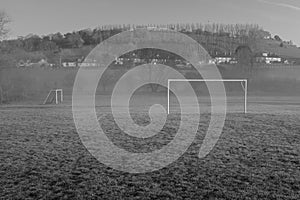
(273, 46)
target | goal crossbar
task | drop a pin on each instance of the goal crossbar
(245, 87)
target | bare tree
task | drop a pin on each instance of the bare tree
(4, 20)
(244, 57)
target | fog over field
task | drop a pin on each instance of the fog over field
(25, 85)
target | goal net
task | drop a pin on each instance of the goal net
(54, 97)
(236, 92)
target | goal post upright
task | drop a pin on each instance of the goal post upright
(45, 101)
(246, 96)
(56, 94)
(57, 98)
(168, 96)
(245, 87)
(61, 96)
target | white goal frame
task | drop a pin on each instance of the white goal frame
(244, 87)
(56, 95)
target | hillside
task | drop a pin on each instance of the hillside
(217, 39)
(287, 51)
(223, 46)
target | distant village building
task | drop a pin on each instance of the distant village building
(89, 63)
(119, 61)
(22, 63)
(268, 58)
(138, 61)
(69, 64)
(223, 59)
(43, 62)
(28, 63)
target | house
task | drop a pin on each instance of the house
(182, 64)
(119, 61)
(223, 59)
(138, 61)
(267, 58)
(154, 61)
(211, 61)
(233, 61)
(151, 28)
(22, 63)
(89, 63)
(41, 63)
(69, 64)
(290, 61)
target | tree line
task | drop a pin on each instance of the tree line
(77, 39)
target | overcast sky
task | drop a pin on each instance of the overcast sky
(42, 17)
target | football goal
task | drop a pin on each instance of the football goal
(54, 97)
(243, 82)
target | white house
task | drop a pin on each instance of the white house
(268, 58)
(222, 59)
(119, 61)
(69, 64)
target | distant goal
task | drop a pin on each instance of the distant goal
(54, 97)
(244, 86)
